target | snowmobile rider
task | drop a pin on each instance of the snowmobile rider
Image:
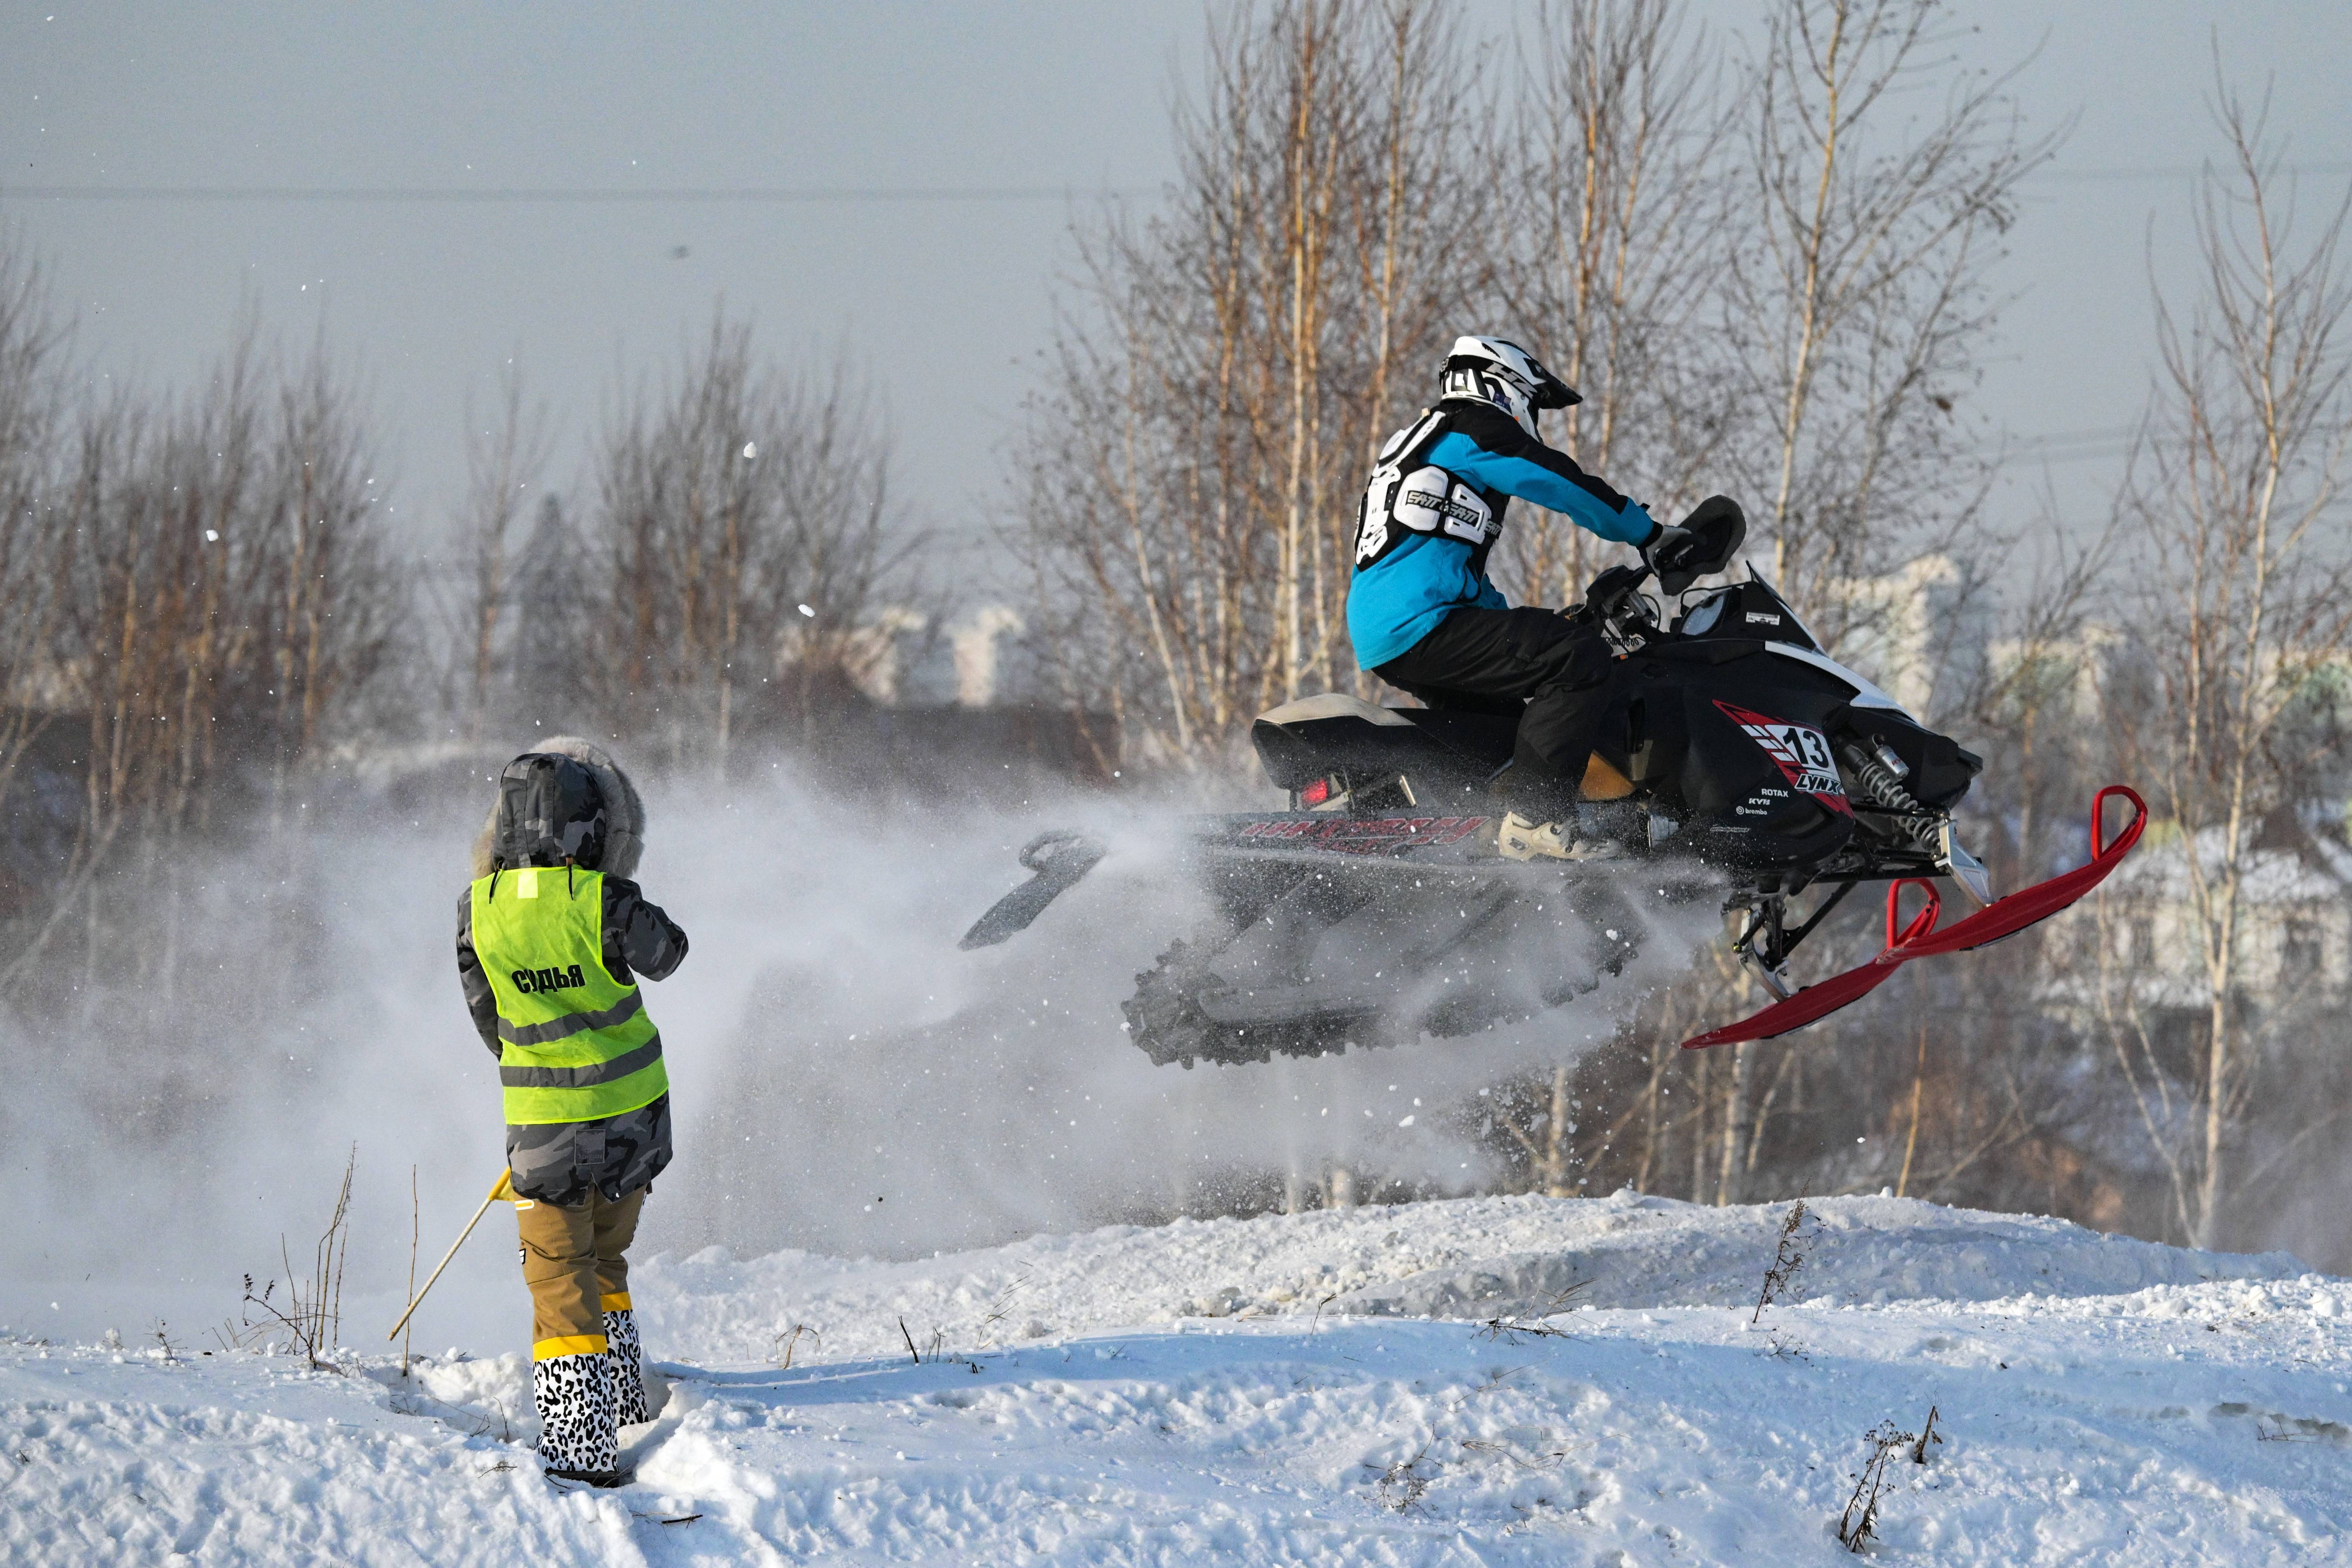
(1425, 617)
(552, 940)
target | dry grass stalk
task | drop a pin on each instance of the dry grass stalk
(791, 1337)
(310, 1319)
(993, 1317)
(1787, 1256)
(1859, 1521)
(1403, 1485)
(1928, 1435)
(1511, 1327)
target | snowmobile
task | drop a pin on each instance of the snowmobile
(1745, 764)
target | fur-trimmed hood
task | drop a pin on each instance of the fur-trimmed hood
(624, 831)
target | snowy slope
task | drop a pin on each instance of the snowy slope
(1466, 1257)
(1269, 1391)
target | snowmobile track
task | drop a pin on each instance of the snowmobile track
(1166, 1019)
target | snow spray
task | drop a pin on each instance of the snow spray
(845, 1080)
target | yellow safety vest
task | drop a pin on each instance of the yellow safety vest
(576, 1043)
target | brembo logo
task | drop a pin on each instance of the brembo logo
(1363, 835)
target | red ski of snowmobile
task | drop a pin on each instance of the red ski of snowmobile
(1918, 938)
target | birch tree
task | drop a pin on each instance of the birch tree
(1188, 479)
(1859, 298)
(2236, 495)
(32, 414)
(1609, 229)
(226, 607)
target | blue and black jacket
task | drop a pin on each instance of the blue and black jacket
(1413, 580)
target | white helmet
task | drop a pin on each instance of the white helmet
(1498, 371)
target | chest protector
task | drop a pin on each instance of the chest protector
(1406, 496)
(575, 1044)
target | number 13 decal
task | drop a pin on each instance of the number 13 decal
(1809, 745)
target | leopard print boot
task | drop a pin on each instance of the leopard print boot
(629, 1377)
(578, 1438)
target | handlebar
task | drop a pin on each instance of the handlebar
(1610, 592)
(1704, 545)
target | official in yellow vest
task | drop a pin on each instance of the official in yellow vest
(553, 938)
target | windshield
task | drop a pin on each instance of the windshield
(1750, 609)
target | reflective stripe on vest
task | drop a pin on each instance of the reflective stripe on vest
(575, 1044)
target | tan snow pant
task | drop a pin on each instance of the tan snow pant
(571, 1259)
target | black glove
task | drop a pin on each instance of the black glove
(1664, 550)
(1704, 544)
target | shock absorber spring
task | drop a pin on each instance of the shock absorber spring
(1886, 790)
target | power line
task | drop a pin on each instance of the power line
(2176, 172)
(2105, 433)
(2068, 446)
(765, 195)
(798, 194)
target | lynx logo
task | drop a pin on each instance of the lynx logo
(1801, 752)
(1762, 617)
(527, 981)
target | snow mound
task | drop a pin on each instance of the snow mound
(1469, 1258)
(2092, 1400)
(1632, 1252)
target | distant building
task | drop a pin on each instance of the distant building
(2294, 920)
(960, 703)
(975, 659)
(1924, 633)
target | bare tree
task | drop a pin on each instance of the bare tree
(552, 668)
(31, 418)
(1187, 491)
(503, 461)
(1857, 301)
(1859, 298)
(338, 596)
(1611, 191)
(224, 606)
(2235, 491)
(743, 523)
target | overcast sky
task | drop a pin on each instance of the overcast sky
(944, 301)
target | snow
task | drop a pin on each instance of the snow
(1376, 1385)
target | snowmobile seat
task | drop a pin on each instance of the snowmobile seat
(1315, 737)
(1473, 734)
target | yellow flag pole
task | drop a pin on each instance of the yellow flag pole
(505, 1189)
